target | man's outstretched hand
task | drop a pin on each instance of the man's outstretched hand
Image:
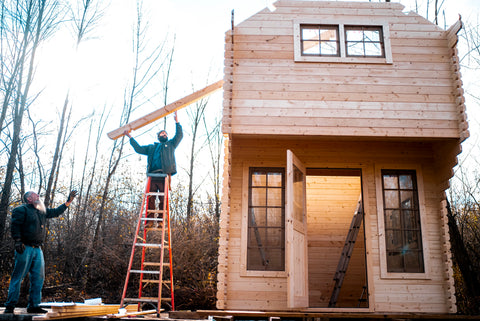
(71, 196)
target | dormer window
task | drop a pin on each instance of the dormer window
(343, 43)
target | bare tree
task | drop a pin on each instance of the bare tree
(36, 20)
(85, 19)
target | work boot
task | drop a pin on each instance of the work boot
(9, 309)
(36, 310)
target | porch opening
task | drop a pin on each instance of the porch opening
(333, 196)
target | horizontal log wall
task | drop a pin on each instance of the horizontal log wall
(415, 96)
(387, 295)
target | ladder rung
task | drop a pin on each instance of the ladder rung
(155, 211)
(144, 272)
(155, 281)
(148, 245)
(146, 299)
(155, 194)
(155, 219)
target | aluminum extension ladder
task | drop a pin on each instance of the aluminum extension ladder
(153, 265)
(347, 253)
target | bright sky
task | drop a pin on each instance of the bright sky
(199, 28)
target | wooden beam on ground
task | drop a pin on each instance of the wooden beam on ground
(166, 110)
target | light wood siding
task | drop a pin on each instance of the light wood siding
(269, 93)
(432, 294)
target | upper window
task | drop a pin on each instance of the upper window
(320, 40)
(346, 43)
(266, 219)
(361, 41)
(403, 236)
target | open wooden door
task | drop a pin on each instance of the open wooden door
(296, 233)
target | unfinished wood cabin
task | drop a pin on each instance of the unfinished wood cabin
(336, 111)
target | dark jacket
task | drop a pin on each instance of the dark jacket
(160, 156)
(28, 223)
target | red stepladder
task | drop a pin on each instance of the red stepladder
(150, 271)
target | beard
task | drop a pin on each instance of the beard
(39, 205)
(162, 139)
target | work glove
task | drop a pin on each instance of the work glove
(71, 196)
(19, 247)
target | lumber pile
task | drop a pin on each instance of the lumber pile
(77, 310)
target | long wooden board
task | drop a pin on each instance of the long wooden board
(166, 110)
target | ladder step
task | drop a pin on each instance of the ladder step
(144, 272)
(155, 211)
(148, 245)
(155, 281)
(155, 264)
(149, 299)
(155, 194)
(152, 219)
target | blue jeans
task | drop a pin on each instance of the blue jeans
(30, 261)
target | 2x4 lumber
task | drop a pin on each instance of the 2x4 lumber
(166, 110)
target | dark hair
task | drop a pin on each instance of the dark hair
(26, 195)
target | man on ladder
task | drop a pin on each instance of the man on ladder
(155, 218)
(160, 156)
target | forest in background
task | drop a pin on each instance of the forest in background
(55, 150)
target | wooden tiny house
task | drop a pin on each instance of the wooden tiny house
(335, 111)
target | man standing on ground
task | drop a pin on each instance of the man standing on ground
(28, 232)
(160, 157)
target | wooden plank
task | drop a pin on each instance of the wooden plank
(166, 110)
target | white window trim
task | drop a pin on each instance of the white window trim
(384, 274)
(244, 232)
(341, 30)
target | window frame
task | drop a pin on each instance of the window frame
(384, 273)
(343, 58)
(244, 226)
(365, 28)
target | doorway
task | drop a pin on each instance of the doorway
(333, 196)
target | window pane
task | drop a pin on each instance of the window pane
(373, 49)
(311, 48)
(329, 48)
(276, 260)
(259, 179)
(310, 34)
(390, 181)
(355, 35)
(274, 217)
(298, 197)
(258, 217)
(274, 237)
(406, 182)
(355, 49)
(274, 179)
(391, 199)
(256, 237)
(413, 262)
(254, 260)
(410, 219)
(406, 199)
(274, 197)
(328, 34)
(412, 242)
(394, 262)
(394, 240)
(259, 196)
(392, 219)
(372, 35)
